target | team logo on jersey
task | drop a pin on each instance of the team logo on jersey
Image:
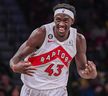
(63, 10)
(50, 41)
(50, 36)
(70, 43)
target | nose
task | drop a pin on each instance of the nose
(61, 24)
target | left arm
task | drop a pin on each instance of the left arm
(86, 69)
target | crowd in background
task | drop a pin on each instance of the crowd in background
(91, 20)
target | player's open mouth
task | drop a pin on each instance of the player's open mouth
(61, 29)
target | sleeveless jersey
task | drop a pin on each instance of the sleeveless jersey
(52, 60)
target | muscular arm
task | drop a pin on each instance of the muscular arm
(86, 69)
(80, 57)
(35, 40)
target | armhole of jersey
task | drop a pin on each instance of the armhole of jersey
(45, 41)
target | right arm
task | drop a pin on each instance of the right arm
(85, 68)
(35, 40)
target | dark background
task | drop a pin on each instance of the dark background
(18, 18)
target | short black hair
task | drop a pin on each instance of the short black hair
(66, 6)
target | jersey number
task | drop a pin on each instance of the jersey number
(51, 71)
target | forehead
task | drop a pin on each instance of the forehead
(62, 15)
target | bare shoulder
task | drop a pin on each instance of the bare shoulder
(41, 31)
(80, 43)
(80, 38)
(37, 37)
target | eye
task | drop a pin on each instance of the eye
(66, 20)
(58, 19)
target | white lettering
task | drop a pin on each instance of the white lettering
(42, 59)
(48, 57)
(53, 54)
(66, 59)
(63, 55)
(58, 52)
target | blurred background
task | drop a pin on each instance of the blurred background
(18, 18)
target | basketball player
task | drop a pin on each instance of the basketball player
(44, 59)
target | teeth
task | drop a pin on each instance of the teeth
(61, 29)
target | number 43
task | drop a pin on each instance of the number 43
(51, 72)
